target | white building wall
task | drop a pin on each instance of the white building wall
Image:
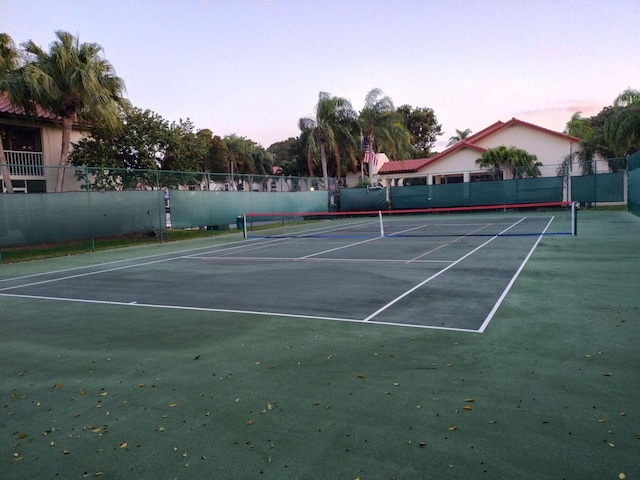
(550, 149)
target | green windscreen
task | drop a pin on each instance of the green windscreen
(204, 208)
(604, 187)
(524, 190)
(363, 199)
(634, 184)
(45, 218)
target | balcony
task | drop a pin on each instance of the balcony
(25, 164)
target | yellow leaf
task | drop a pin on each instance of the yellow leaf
(124, 445)
(453, 428)
(57, 385)
(602, 420)
(622, 476)
(269, 407)
(172, 404)
(103, 394)
(469, 400)
(467, 407)
(362, 375)
(141, 385)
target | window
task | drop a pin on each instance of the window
(21, 139)
(442, 179)
(484, 177)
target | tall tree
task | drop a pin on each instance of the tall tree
(73, 80)
(332, 126)
(383, 126)
(622, 131)
(423, 127)
(460, 136)
(8, 65)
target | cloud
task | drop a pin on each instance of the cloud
(568, 107)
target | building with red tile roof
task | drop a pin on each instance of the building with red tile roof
(31, 144)
(457, 164)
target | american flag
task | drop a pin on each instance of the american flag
(369, 156)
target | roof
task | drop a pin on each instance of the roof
(8, 108)
(496, 127)
(413, 166)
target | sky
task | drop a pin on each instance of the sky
(255, 67)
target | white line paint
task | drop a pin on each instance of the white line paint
(223, 310)
(427, 280)
(493, 311)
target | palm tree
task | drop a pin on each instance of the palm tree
(382, 126)
(582, 128)
(8, 65)
(332, 126)
(459, 136)
(76, 83)
(521, 163)
(622, 132)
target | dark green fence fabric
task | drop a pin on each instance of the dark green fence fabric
(359, 199)
(604, 187)
(634, 184)
(525, 190)
(204, 208)
(46, 218)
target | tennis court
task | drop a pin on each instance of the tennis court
(329, 355)
(450, 272)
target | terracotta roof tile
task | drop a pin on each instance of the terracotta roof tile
(7, 107)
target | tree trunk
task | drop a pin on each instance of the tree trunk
(323, 159)
(67, 125)
(6, 173)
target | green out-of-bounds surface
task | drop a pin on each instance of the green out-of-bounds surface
(549, 391)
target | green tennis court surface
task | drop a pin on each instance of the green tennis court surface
(440, 282)
(327, 358)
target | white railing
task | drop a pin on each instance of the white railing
(25, 164)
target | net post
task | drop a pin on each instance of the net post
(381, 224)
(574, 218)
(244, 225)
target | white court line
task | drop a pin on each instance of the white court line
(133, 259)
(317, 260)
(427, 280)
(493, 311)
(124, 267)
(340, 248)
(224, 310)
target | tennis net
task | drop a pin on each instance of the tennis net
(558, 218)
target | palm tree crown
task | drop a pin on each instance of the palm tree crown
(75, 82)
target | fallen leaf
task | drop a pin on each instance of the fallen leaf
(467, 407)
(453, 428)
(57, 385)
(197, 357)
(249, 422)
(124, 445)
(141, 385)
(362, 375)
(103, 394)
(469, 400)
(602, 420)
(172, 405)
(622, 476)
